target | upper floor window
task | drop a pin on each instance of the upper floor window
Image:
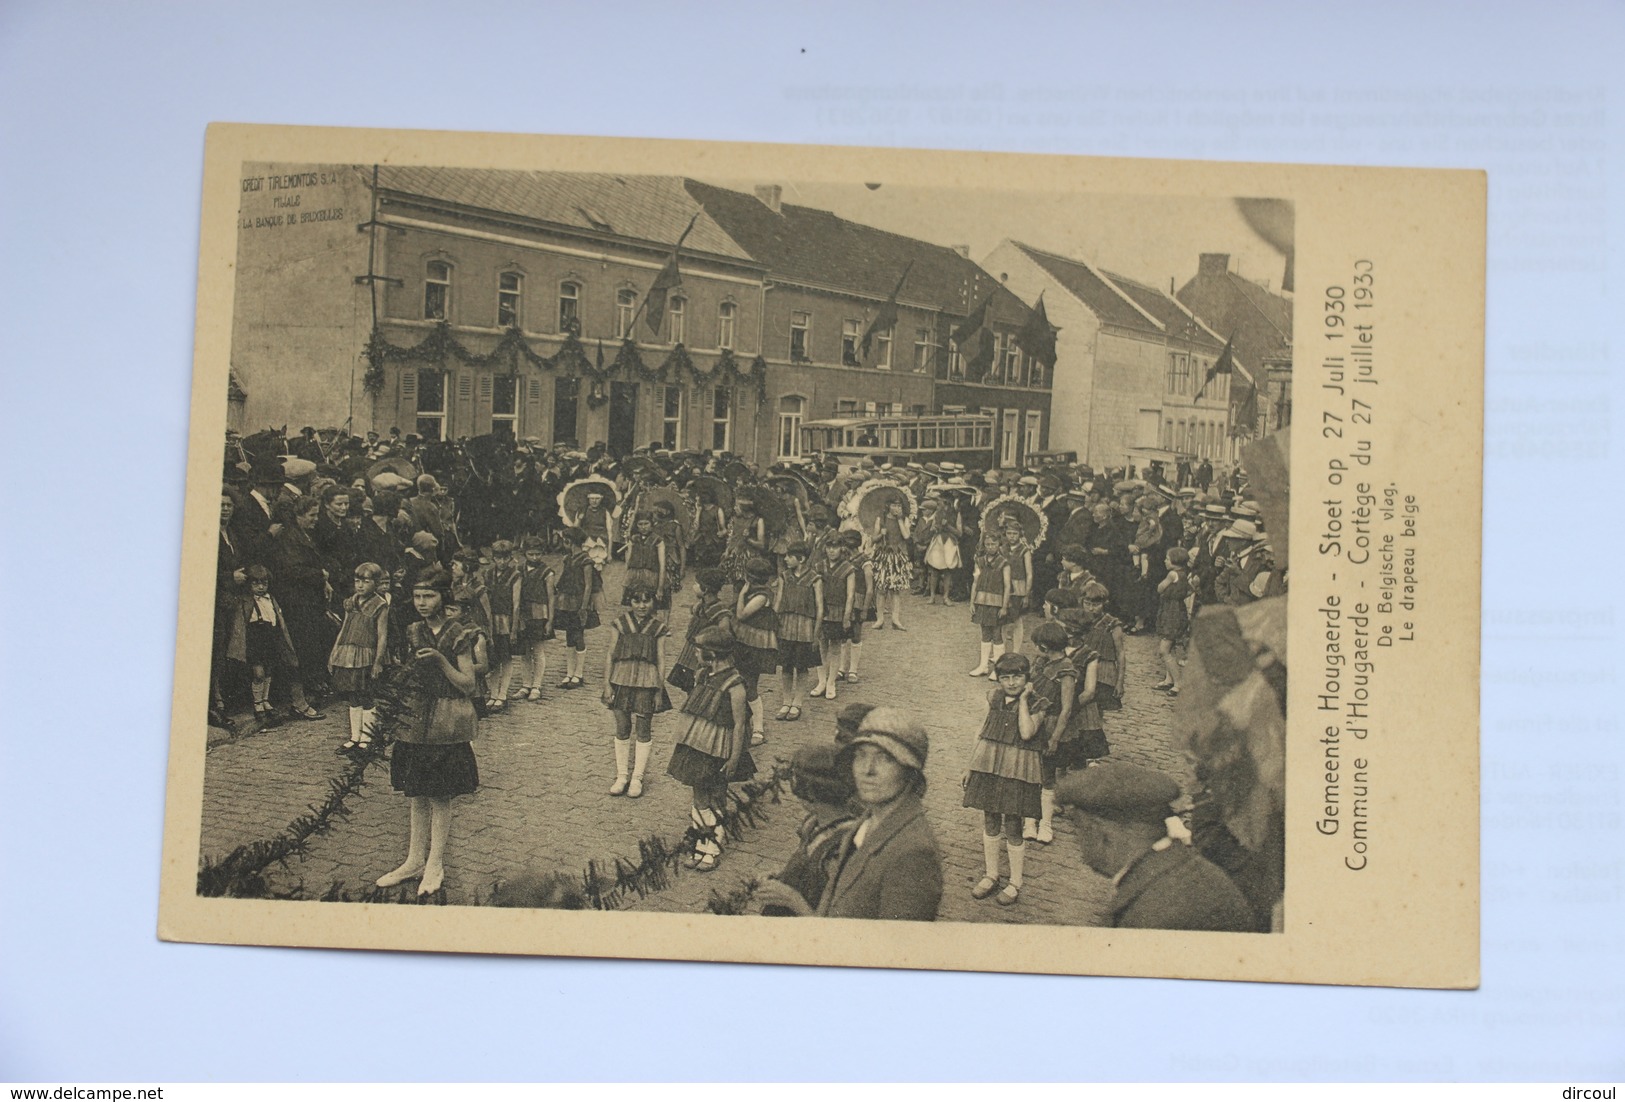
(800, 332)
(510, 291)
(676, 319)
(1012, 360)
(437, 290)
(883, 347)
(850, 336)
(569, 307)
(727, 315)
(626, 304)
(925, 349)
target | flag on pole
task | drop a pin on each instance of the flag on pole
(654, 303)
(975, 341)
(886, 318)
(980, 361)
(971, 325)
(1037, 336)
(1224, 365)
(1244, 410)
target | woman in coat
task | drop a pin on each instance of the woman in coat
(888, 865)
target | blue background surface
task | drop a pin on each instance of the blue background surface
(101, 142)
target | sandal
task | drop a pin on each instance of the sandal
(495, 705)
(984, 888)
(1008, 897)
(783, 713)
(519, 693)
(795, 714)
(307, 713)
(345, 747)
(535, 695)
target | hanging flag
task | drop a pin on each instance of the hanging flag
(971, 325)
(600, 356)
(1244, 410)
(1221, 366)
(1037, 336)
(654, 304)
(886, 318)
(980, 360)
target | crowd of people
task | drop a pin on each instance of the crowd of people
(342, 558)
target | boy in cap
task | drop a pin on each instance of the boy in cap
(1121, 815)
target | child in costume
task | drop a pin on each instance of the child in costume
(756, 636)
(632, 687)
(798, 600)
(534, 614)
(893, 569)
(432, 759)
(1004, 778)
(714, 748)
(709, 611)
(357, 659)
(575, 605)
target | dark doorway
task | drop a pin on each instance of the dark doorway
(566, 398)
(623, 418)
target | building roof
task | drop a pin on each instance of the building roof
(821, 248)
(1178, 322)
(1259, 320)
(653, 209)
(1110, 302)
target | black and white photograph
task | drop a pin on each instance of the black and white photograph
(737, 546)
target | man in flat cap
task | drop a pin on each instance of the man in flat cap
(1120, 813)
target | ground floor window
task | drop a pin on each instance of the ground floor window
(721, 419)
(671, 418)
(431, 419)
(791, 409)
(505, 406)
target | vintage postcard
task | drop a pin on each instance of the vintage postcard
(831, 556)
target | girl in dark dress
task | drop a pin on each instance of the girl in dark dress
(632, 687)
(1004, 780)
(714, 749)
(1173, 619)
(710, 611)
(432, 760)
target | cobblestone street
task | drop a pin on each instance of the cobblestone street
(545, 770)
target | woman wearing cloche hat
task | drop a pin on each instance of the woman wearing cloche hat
(889, 866)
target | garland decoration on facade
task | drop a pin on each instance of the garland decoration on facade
(441, 346)
(677, 364)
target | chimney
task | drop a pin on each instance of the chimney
(769, 195)
(1213, 264)
(963, 250)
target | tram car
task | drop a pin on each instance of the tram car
(965, 438)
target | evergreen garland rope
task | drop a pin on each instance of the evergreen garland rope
(441, 345)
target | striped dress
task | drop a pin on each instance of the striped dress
(798, 620)
(634, 666)
(704, 746)
(1006, 773)
(756, 636)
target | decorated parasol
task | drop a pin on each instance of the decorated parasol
(772, 506)
(789, 485)
(573, 498)
(682, 512)
(736, 472)
(709, 488)
(395, 465)
(1034, 524)
(870, 501)
(643, 468)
